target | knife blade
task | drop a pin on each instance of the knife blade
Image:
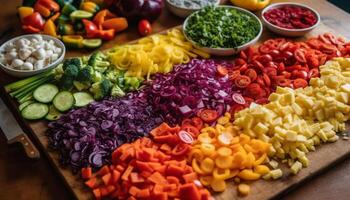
(14, 133)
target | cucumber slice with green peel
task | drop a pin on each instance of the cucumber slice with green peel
(23, 105)
(80, 14)
(53, 114)
(35, 111)
(45, 93)
(63, 101)
(82, 99)
(92, 43)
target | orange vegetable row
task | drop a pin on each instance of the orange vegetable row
(150, 169)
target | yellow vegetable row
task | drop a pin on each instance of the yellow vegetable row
(295, 121)
(222, 153)
(157, 53)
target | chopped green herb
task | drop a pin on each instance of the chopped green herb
(221, 27)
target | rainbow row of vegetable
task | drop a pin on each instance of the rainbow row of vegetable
(203, 115)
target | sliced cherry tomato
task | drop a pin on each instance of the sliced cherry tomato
(254, 89)
(181, 149)
(260, 81)
(299, 74)
(262, 101)
(185, 137)
(208, 115)
(242, 81)
(144, 27)
(251, 73)
(300, 83)
(313, 73)
(240, 61)
(238, 98)
(300, 56)
(283, 82)
(258, 65)
(266, 79)
(243, 55)
(265, 58)
(234, 74)
(236, 108)
(222, 71)
(243, 68)
(264, 49)
(190, 129)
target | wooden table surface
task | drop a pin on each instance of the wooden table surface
(21, 178)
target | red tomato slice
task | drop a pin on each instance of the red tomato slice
(222, 71)
(254, 90)
(238, 98)
(185, 137)
(208, 115)
(313, 73)
(300, 83)
(300, 56)
(283, 82)
(251, 73)
(242, 81)
(266, 79)
(234, 74)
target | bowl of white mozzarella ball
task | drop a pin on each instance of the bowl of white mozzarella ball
(32, 54)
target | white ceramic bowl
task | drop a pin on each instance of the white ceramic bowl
(181, 11)
(285, 31)
(226, 51)
(26, 73)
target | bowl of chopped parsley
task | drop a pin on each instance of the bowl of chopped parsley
(222, 30)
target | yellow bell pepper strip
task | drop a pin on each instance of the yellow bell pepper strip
(24, 11)
(221, 174)
(90, 7)
(50, 28)
(73, 41)
(32, 23)
(252, 5)
(91, 29)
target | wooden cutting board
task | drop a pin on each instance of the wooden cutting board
(324, 157)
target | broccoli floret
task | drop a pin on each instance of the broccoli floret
(117, 91)
(66, 82)
(72, 71)
(113, 75)
(99, 61)
(81, 86)
(132, 83)
(101, 89)
(96, 77)
(73, 61)
(85, 74)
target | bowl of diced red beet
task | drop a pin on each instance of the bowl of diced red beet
(290, 19)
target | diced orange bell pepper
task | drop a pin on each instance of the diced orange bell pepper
(86, 172)
(107, 179)
(174, 170)
(118, 24)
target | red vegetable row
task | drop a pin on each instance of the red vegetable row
(279, 62)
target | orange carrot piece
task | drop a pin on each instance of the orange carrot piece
(91, 183)
(127, 172)
(157, 178)
(97, 193)
(136, 178)
(86, 172)
(144, 193)
(107, 179)
(104, 170)
(133, 191)
(189, 178)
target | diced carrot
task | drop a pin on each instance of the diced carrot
(161, 169)
(126, 154)
(144, 193)
(115, 176)
(154, 164)
(146, 142)
(188, 169)
(144, 166)
(160, 129)
(173, 180)
(120, 168)
(104, 191)
(173, 193)
(145, 174)
(127, 172)
(157, 189)
(131, 198)
(169, 187)
(160, 196)
(86, 172)
(136, 178)
(189, 178)
(107, 179)
(189, 191)
(162, 156)
(173, 170)
(133, 191)
(91, 183)
(111, 167)
(110, 189)
(104, 170)
(166, 148)
(157, 178)
(97, 193)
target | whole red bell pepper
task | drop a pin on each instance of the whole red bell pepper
(91, 29)
(34, 20)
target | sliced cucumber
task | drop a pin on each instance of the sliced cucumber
(23, 105)
(92, 43)
(80, 14)
(63, 101)
(45, 93)
(82, 99)
(53, 114)
(35, 111)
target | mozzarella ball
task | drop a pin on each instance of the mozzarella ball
(17, 63)
(27, 66)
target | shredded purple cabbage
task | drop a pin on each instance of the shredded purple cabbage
(87, 136)
(189, 88)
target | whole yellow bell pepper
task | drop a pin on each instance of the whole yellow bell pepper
(252, 5)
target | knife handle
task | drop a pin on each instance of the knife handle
(28, 146)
